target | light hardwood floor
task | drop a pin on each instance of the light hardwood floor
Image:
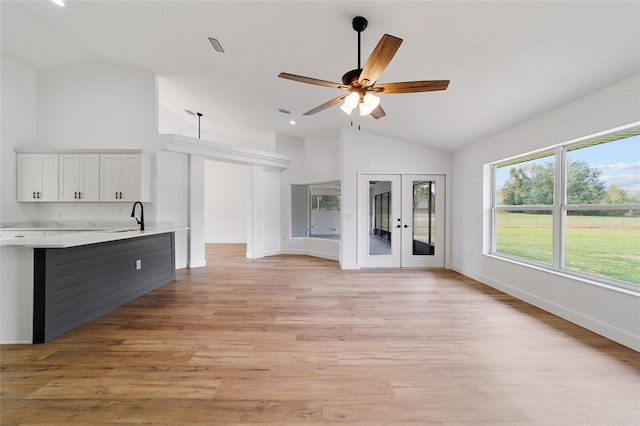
(296, 340)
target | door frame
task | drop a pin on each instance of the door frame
(401, 214)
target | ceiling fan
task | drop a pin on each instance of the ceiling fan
(361, 83)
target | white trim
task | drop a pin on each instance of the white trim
(225, 152)
(607, 330)
(313, 253)
(197, 263)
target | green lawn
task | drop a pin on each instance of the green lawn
(599, 245)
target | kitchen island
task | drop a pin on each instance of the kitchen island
(52, 284)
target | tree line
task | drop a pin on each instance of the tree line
(533, 184)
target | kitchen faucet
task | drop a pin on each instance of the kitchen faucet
(133, 214)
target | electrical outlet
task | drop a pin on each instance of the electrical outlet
(138, 264)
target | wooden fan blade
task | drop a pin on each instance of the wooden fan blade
(379, 59)
(310, 80)
(326, 105)
(411, 86)
(378, 112)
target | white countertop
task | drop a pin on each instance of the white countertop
(84, 225)
(83, 238)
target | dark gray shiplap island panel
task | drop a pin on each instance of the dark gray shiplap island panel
(75, 285)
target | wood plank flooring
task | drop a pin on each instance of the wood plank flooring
(296, 340)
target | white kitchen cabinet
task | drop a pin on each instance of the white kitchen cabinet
(125, 177)
(79, 177)
(37, 179)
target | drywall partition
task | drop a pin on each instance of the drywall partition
(313, 160)
(263, 227)
(364, 152)
(608, 311)
(18, 91)
(172, 200)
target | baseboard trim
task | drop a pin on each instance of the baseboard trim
(313, 253)
(200, 263)
(597, 326)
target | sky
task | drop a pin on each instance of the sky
(619, 162)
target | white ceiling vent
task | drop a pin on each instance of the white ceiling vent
(216, 45)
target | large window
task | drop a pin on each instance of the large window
(574, 208)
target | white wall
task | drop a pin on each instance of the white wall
(607, 311)
(18, 128)
(87, 105)
(313, 160)
(97, 104)
(171, 198)
(227, 187)
(216, 123)
(367, 153)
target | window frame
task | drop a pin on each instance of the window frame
(560, 207)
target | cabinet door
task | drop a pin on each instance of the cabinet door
(110, 177)
(89, 177)
(69, 175)
(130, 177)
(79, 177)
(37, 177)
(27, 182)
(48, 177)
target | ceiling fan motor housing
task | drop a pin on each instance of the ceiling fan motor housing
(351, 77)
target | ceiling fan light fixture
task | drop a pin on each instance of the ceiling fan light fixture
(352, 100)
(346, 108)
(372, 101)
(364, 109)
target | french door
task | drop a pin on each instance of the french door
(401, 221)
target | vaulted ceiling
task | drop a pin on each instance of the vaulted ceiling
(507, 61)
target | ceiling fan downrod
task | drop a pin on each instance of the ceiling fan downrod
(359, 24)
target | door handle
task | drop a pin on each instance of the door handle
(34, 194)
(75, 195)
(79, 194)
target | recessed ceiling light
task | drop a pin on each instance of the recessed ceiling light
(58, 2)
(292, 122)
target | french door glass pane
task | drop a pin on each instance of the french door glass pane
(424, 194)
(380, 204)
